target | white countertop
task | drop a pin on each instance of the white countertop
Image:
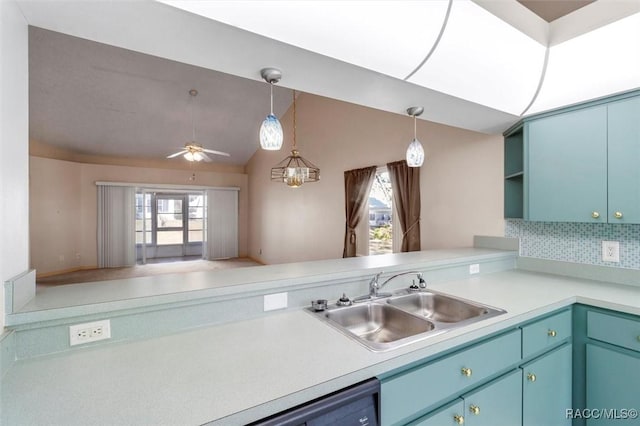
(242, 371)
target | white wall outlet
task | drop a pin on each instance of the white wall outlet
(474, 268)
(275, 301)
(89, 332)
(611, 251)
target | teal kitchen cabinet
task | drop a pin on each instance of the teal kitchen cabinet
(546, 390)
(566, 157)
(613, 386)
(606, 366)
(578, 164)
(498, 403)
(410, 394)
(623, 160)
(450, 415)
(487, 382)
(612, 367)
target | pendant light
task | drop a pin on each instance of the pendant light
(295, 170)
(271, 129)
(415, 152)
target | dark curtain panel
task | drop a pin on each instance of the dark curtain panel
(357, 184)
(405, 183)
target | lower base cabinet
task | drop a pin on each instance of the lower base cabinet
(546, 390)
(613, 385)
(496, 404)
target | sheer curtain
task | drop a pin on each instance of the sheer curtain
(221, 224)
(357, 185)
(405, 183)
(116, 226)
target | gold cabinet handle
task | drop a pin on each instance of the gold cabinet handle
(458, 419)
(474, 409)
(552, 333)
(466, 372)
(617, 215)
(595, 215)
(531, 377)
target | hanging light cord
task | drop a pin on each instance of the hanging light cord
(271, 85)
(415, 131)
(294, 120)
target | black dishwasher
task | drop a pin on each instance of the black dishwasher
(354, 406)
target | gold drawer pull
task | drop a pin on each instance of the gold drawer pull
(466, 372)
(552, 333)
(617, 215)
(531, 377)
(474, 409)
(458, 419)
(595, 215)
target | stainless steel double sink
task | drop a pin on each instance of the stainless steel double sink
(390, 322)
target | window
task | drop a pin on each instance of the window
(196, 217)
(140, 215)
(381, 214)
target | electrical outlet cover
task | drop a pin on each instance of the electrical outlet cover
(611, 251)
(89, 332)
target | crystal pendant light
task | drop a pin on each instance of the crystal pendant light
(271, 130)
(415, 152)
(295, 170)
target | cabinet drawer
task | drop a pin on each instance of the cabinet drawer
(612, 329)
(545, 333)
(423, 388)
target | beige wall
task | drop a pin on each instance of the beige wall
(461, 181)
(63, 217)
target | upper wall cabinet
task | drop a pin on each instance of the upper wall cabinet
(577, 165)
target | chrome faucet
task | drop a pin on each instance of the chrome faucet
(422, 284)
(374, 285)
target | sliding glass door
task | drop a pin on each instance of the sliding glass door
(173, 223)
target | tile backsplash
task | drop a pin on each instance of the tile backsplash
(576, 242)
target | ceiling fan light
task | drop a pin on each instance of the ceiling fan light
(415, 154)
(197, 156)
(271, 135)
(189, 156)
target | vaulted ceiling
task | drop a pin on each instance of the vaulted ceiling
(121, 87)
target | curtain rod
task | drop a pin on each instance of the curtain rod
(167, 186)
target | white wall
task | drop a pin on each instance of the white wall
(14, 137)
(64, 207)
(461, 181)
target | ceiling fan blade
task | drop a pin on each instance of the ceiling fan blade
(177, 154)
(206, 158)
(211, 151)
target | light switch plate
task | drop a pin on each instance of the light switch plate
(611, 251)
(275, 301)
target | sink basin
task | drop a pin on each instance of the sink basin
(441, 308)
(390, 322)
(379, 326)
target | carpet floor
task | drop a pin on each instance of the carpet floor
(171, 267)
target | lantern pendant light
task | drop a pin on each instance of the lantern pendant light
(271, 130)
(295, 170)
(415, 152)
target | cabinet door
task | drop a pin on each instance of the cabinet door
(567, 166)
(546, 391)
(497, 404)
(612, 384)
(624, 157)
(451, 415)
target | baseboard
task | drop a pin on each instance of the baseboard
(64, 271)
(256, 260)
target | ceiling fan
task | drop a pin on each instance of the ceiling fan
(193, 151)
